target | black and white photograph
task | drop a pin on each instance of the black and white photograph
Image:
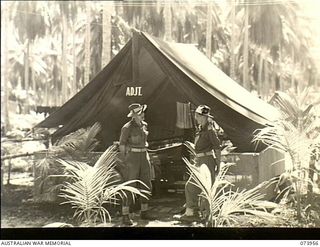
(198, 115)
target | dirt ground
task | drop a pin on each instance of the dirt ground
(19, 210)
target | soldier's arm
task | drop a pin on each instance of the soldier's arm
(123, 141)
(214, 138)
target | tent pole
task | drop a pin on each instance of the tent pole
(135, 56)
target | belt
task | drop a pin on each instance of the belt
(209, 153)
(137, 150)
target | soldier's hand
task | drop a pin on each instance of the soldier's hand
(121, 157)
(196, 159)
(217, 169)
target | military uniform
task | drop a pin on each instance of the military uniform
(134, 138)
(133, 149)
(207, 148)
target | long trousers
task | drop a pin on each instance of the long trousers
(139, 168)
(192, 192)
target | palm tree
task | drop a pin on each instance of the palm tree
(87, 44)
(39, 59)
(106, 33)
(167, 21)
(68, 12)
(272, 28)
(73, 17)
(233, 39)
(246, 48)
(4, 65)
(296, 134)
(64, 10)
(209, 31)
(30, 23)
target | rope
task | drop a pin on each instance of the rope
(23, 140)
(165, 148)
(13, 156)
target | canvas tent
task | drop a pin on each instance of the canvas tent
(160, 74)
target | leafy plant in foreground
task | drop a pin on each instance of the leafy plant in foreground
(225, 206)
(77, 146)
(295, 133)
(92, 187)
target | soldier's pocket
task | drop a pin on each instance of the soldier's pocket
(136, 139)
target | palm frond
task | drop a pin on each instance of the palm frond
(82, 140)
(295, 134)
(225, 205)
(92, 186)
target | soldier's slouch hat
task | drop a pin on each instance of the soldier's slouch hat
(136, 108)
(204, 110)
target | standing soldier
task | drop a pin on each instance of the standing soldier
(133, 151)
(208, 151)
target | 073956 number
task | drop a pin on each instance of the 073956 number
(309, 243)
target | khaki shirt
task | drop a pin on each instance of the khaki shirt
(133, 135)
(206, 139)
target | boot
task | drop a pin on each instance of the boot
(146, 215)
(189, 216)
(126, 221)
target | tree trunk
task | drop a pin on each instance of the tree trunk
(266, 79)
(209, 31)
(74, 59)
(33, 82)
(293, 70)
(26, 67)
(4, 65)
(298, 191)
(312, 170)
(87, 45)
(135, 57)
(259, 86)
(36, 97)
(106, 33)
(273, 78)
(280, 69)
(56, 79)
(32, 77)
(46, 95)
(167, 21)
(246, 49)
(299, 201)
(64, 70)
(233, 20)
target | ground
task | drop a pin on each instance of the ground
(19, 210)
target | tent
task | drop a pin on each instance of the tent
(160, 74)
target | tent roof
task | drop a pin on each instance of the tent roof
(168, 73)
(201, 70)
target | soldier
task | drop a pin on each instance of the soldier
(133, 151)
(208, 150)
